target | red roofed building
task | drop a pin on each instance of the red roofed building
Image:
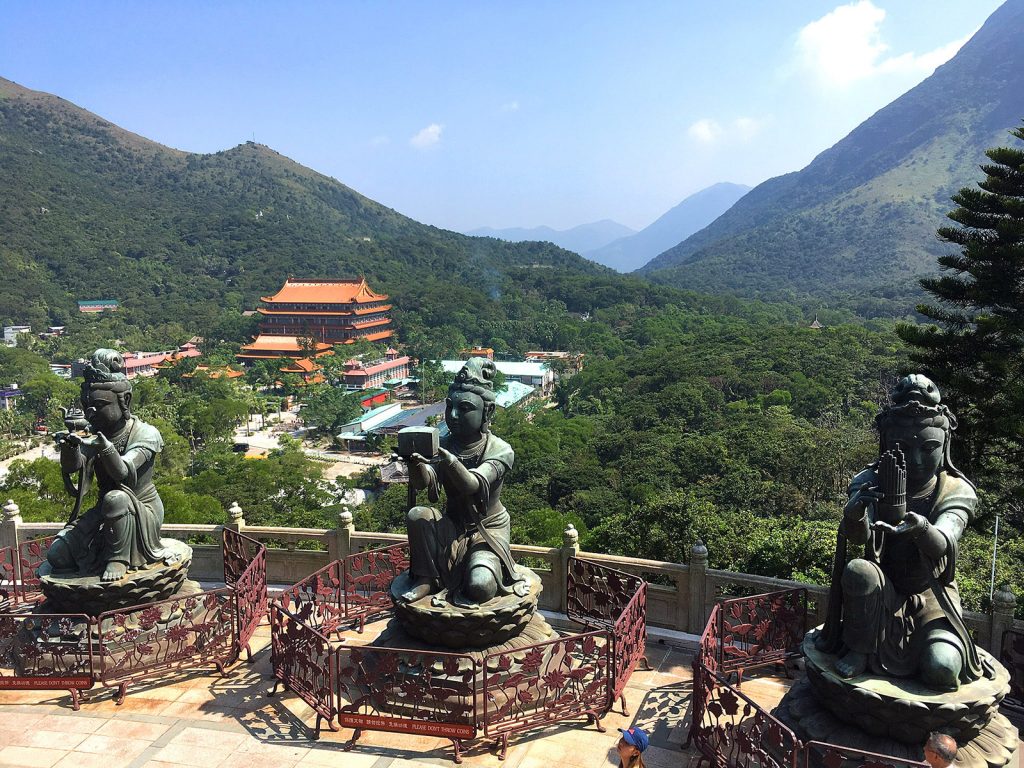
(360, 375)
(330, 311)
(265, 347)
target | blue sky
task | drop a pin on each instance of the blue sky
(468, 114)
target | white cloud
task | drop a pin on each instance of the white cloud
(710, 131)
(845, 46)
(511, 106)
(428, 137)
(705, 130)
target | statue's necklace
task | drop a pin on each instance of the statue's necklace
(120, 440)
(476, 454)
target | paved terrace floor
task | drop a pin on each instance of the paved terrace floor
(203, 719)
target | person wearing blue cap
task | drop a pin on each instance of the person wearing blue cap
(631, 746)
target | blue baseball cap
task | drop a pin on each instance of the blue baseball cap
(635, 736)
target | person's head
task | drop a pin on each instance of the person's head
(106, 392)
(631, 746)
(922, 427)
(469, 407)
(939, 750)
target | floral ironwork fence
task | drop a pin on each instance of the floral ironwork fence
(558, 680)
(446, 694)
(118, 648)
(31, 554)
(47, 652)
(8, 579)
(730, 729)
(408, 691)
(245, 571)
(760, 629)
(367, 577)
(303, 660)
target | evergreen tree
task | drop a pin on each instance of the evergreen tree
(975, 351)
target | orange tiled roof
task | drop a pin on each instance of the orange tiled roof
(324, 292)
(267, 343)
(371, 323)
(302, 365)
(314, 313)
(370, 310)
(378, 336)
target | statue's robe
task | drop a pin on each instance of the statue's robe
(101, 535)
(918, 601)
(473, 530)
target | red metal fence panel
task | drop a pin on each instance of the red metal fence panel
(407, 691)
(8, 579)
(50, 652)
(178, 633)
(834, 756)
(317, 599)
(547, 682)
(598, 595)
(245, 571)
(31, 554)
(730, 729)
(304, 662)
(629, 638)
(367, 578)
(760, 629)
(1012, 657)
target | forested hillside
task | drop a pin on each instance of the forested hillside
(90, 211)
(858, 224)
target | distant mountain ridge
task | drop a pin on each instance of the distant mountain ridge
(860, 219)
(585, 237)
(692, 214)
(90, 210)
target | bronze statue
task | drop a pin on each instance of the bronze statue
(122, 531)
(895, 610)
(464, 548)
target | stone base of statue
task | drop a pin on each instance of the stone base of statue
(437, 622)
(893, 716)
(92, 596)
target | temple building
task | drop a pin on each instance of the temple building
(329, 311)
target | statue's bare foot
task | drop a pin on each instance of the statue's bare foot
(420, 589)
(851, 664)
(461, 601)
(114, 571)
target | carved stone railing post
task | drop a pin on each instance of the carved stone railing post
(698, 569)
(570, 548)
(339, 542)
(9, 523)
(1004, 603)
(236, 519)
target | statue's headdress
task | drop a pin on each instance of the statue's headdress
(916, 399)
(476, 376)
(105, 370)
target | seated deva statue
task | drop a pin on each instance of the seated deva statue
(895, 610)
(123, 530)
(463, 548)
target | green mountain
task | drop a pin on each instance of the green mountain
(858, 223)
(91, 211)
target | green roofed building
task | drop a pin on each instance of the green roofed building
(98, 305)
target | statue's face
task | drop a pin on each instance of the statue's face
(465, 414)
(923, 448)
(102, 409)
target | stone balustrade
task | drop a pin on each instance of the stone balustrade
(680, 596)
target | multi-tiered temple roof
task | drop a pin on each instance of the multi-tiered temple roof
(326, 311)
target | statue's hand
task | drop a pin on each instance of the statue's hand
(89, 446)
(446, 458)
(864, 495)
(912, 525)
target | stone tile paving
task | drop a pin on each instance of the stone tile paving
(209, 721)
